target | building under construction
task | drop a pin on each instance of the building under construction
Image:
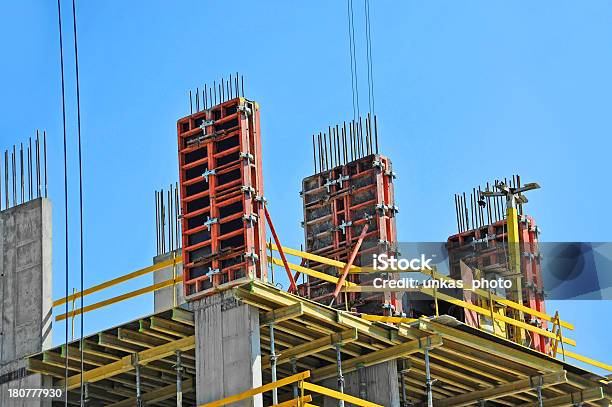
(222, 333)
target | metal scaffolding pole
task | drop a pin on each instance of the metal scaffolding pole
(138, 389)
(179, 380)
(273, 359)
(340, 376)
(428, 382)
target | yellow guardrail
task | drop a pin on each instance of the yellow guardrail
(115, 281)
(301, 401)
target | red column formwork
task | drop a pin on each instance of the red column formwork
(223, 227)
(337, 205)
(486, 249)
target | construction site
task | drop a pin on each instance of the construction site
(242, 319)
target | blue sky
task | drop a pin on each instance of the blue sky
(465, 92)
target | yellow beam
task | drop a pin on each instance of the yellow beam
(126, 363)
(310, 272)
(313, 347)
(337, 395)
(583, 396)
(589, 361)
(483, 311)
(157, 395)
(540, 363)
(382, 318)
(258, 390)
(295, 402)
(119, 280)
(503, 390)
(282, 314)
(119, 298)
(379, 356)
(314, 257)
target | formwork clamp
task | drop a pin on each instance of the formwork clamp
(211, 272)
(391, 174)
(208, 173)
(247, 189)
(210, 221)
(251, 218)
(205, 124)
(260, 198)
(378, 164)
(244, 108)
(248, 156)
(341, 179)
(251, 256)
(344, 225)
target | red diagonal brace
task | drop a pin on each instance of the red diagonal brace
(349, 264)
(293, 287)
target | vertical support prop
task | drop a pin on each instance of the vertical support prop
(340, 375)
(179, 380)
(138, 385)
(273, 359)
(428, 381)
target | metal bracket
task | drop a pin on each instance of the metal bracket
(210, 221)
(245, 109)
(208, 173)
(251, 218)
(344, 225)
(341, 179)
(329, 183)
(252, 256)
(248, 156)
(392, 174)
(211, 271)
(260, 198)
(378, 164)
(205, 124)
(247, 189)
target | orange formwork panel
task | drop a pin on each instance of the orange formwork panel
(221, 181)
(338, 203)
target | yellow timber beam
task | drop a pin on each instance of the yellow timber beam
(337, 395)
(258, 390)
(122, 297)
(314, 257)
(379, 356)
(539, 363)
(126, 363)
(506, 389)
(483, 311)
(157, 395)
(572, 399)
(119, 280)
(282, 314)
(310, 272)
(299, 402)
(313, 347)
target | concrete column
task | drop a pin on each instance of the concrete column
(228, 353)
(164, 299)
(381, 385)
(25, 295)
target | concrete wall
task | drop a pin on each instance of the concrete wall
(25, 295)
(228, 353)
(164, 299)
(381, 385)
